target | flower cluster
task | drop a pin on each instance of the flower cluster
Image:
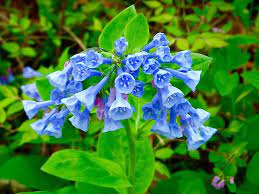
(174, 115)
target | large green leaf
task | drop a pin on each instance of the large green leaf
(252, 77)
(81, 166)
(26, 170)
(114, 145)
(89, 188)
(115, 28)
(137, 33)
(182, 182)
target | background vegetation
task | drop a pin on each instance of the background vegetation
(43, 34)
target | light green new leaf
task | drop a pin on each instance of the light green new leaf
(28, 52)
(2, 116)
(115, 28)
(81, 166)
(11, 47)
(137, 33)
(164, 153)
(62, 59)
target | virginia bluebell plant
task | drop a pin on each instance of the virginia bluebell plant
(174, 116)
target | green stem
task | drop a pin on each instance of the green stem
(132, 157)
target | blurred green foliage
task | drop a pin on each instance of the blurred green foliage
(43, 34)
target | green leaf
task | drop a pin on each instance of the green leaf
(14, 108)
(25, 23)
(252, 77)
(252, 172)
(62, 59)
(225, 83)
(88, 188)
(164, 153)
(84, 167)
(26, 170)
(137, 33)
(117, 150)
(182, 182)
(152, 4)
(195, 154)
(162, 169)
(115, 28)
(215, 42)
(198, 44)
(44, 88)
(28, 52)
(11, 47)
(2, 116)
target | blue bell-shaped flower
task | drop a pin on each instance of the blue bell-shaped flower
(120, 108)
(120, 45)
(31, 91)
(73, 87)
(88, 96)
(207, 132)
(81, 120)
(158, 40)
(72, 104)
(161, 126)
(171, 96)
(28, 72)
(109, 123)
(150, 66)
(131, 72)
(78, 58)
(133, 62)
(163, 53)
(175, 129)
(162, 78)
(59, 79)
(31, 107)
(198, 117)
(151, 110)
(183, 107)
(183, 59)
(191, 78)
(56, 96)
(124, 82)
(138, 89)
(94, 59)
(81, 72)
(40, 125)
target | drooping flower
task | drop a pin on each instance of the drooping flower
(183, 59)
(124, 82)
(81, 72)
(73, 87)
(191, 78)
(163, 54)
(138, 89)
(31, 91)
(175, 129)
(150, 66)
(28, 72)
(120, 108)
(134, 73)
(171, 96)
(56, 96)
(162, 78)
(94, 59)
(161, 125)
(158, 40)
(120, 45)
(88, 96)
(31, 107)
(72, 104)
(133, 62)
(77, 58)
(151, 110)
(81, 119)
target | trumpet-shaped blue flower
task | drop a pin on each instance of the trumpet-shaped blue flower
(131, 72)
(120, 45)
(207, 132)
(59, 79)
(161, 126)
(31, 91)
(88, 96)
(183, 107)
(175, 129)
(163, 54)
(73, 87)
(31, 107)
(171, 96)
(125, 83)
(77, 58)
(40, 125)
(94, 59)
(191, 78)
(81, 72)
(138, 89)
(162, 78)
(152, 110)
(133, 62)
(72, 104)
(28, 72)
(56, 96)
(120, 108)
(150, 66)
(81, 120)
(158, 40)
(183, 59)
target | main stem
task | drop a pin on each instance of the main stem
(132, 157)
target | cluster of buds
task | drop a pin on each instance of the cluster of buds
(71, 100)
(219, 183)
